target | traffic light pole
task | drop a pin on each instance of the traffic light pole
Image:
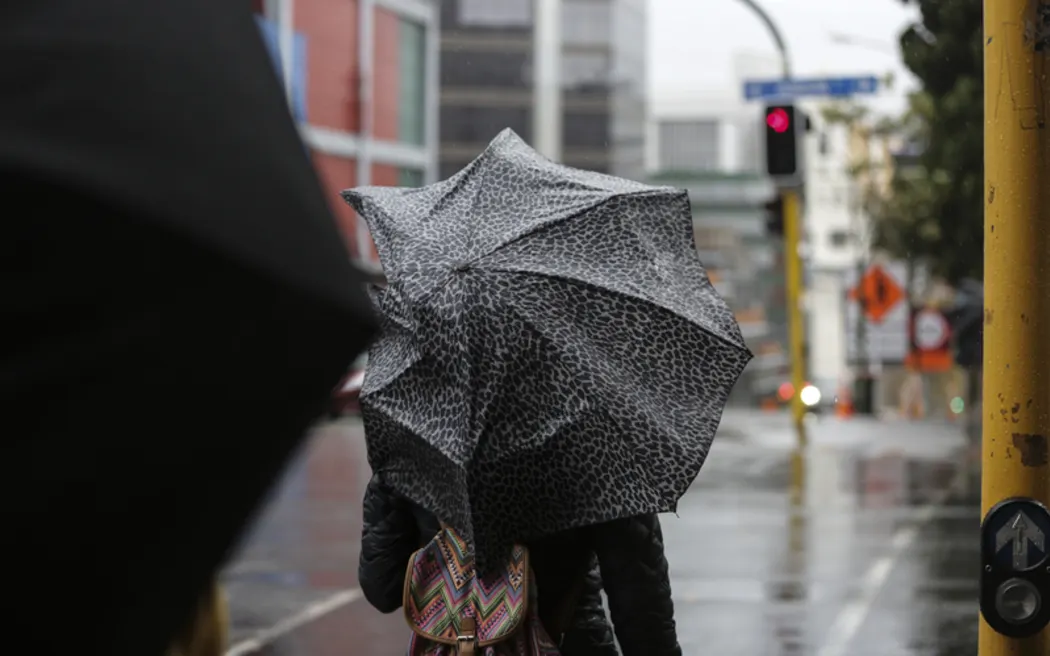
(1015, 579)
(796, 329)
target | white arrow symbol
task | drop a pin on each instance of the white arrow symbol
(1020, 531)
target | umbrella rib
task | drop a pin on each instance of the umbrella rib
(630, 447)
(605, 290)
(415, 361)
(660, 191)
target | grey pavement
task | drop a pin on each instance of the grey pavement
(877, 555)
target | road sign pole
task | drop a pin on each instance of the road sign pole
(1016, 395)
(793, 279)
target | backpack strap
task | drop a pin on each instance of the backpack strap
(467, 640)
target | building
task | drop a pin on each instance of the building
(363, 86)
(603, 77)
(834, 230)
(486, 80)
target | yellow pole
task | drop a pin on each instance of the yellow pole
(793, 282)
(1016, 401)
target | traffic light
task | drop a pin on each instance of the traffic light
(781, 127)
(775, 216)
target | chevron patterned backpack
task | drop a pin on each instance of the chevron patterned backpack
(454, 612)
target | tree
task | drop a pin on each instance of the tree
(945, 53)
(905, 215)
(898, 215)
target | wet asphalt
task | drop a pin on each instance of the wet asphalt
(866, 545)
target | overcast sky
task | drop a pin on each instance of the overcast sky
(693, 43)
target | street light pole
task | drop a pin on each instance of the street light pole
(1016, 394)
(778, 39)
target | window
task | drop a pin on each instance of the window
(581, 69)
(495, 13)
(450, 168)
(689, 145)
(588, 165)
(412, 101)
(586, 130)
(586, 22)
(839, 238)
(500, 70)
(479, 125)
(409, 178)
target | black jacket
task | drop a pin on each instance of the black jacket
(628, 553)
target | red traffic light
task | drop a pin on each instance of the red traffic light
(778, 120)
(782, 158)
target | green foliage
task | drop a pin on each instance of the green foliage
(944, 52)
(933, 212)
(903, 217)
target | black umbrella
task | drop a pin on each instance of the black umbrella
(553, 354)
(170, 329)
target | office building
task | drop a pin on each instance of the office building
(487, 83)
(363, 87)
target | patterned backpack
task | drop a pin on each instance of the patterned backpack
(454, 612)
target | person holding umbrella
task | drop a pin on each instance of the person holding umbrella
(178, 305)
(552, 366)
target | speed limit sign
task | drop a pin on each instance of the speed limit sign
(931, 330)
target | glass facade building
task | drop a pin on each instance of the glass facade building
(486, 80)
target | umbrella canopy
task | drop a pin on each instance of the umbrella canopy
(170, 330)
(552, 354)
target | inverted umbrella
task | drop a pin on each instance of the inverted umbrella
(170, 330)
(552, 354)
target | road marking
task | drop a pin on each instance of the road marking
(761, 465)
(851, 618)
(309, 614)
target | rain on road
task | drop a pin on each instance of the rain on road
(878, 558)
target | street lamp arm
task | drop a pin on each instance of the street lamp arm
(785, 60)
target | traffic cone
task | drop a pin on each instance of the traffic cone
(844, 403)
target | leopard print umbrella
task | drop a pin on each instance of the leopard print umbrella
(553, 354)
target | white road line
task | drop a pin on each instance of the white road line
(850, 619)
(760, 465)
(289, 624)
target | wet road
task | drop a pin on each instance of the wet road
(875, 556)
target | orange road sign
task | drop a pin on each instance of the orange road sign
(878, 293)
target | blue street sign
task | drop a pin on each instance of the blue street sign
(833, 87)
